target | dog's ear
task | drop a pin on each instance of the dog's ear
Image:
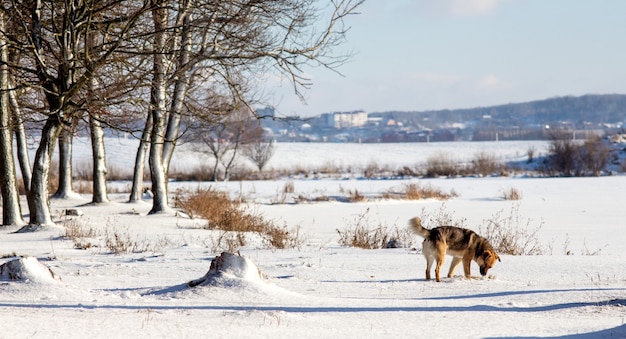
(490, 253)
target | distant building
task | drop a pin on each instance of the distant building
(340, 120)
(266, 112)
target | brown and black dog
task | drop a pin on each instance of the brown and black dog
(461, 243)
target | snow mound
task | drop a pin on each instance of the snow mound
(27, 269)
(229, 269)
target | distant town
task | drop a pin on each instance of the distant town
(583, 117)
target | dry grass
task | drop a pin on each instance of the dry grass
(355, 196)
(441, 165)
(367, 235)
(416, 191)
(224, 214)
(511, 194)
(219, 210)
(485, 164)
(84, 236)
(80, 233)
(511, 234)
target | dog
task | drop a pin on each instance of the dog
(461, 243)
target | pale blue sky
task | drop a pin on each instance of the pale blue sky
(438, 54)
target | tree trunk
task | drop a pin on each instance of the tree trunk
(11, 210)
(181, 86)
(38, 200)
(216, 168)
(20, 141)
(99, 161)
(140, 159)
(158, 111)
(64, 189)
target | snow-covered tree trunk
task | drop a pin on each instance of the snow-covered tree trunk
(158, 111)
(20, 141)
(38, 200)
(140, 159)
(216, 167)
(99, 161)
(11, 210)
(64, 189)
(181, 85)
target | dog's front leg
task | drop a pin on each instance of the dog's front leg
(467, 262)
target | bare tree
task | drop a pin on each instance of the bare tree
(158, 108)
(260, 151)
(225, 136)
(226, 44)
(50, 37)
(11, 209)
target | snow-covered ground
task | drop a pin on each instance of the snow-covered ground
(324, 290)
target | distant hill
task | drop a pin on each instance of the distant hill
(584, 117)
(588, 111)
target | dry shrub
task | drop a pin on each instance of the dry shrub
(485, 164)
(228, 242)
(281, 238)
(375, 170)
(289, 187)
(440, 217)
(228, 215)
(219, 210)
(355, 196)
(417, 191)
(594, 155)
(571, 158)
(81, 234)
(83, 187)
(441, 165)
(122, 242)
(117, 242)
(512, 235)
(362, 234)
(84, 171)
(511, 194)
(199, 173)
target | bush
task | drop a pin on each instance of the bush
(417, 191)
(228, 215)
(362, 235)
(570, 158)
(511, 194)
(594, 155)
(441, 165)
(511, 235)
(485, 164)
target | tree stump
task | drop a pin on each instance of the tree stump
(231, 266)
(27, 269)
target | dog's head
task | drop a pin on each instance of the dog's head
(486, 261)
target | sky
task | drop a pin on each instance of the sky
(419, 55)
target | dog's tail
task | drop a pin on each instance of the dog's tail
(416, 226)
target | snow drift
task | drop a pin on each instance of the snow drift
(27, 269)
(229, 269)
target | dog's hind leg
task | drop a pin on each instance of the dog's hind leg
(453, 266)
(429, 265)
(440, 256)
